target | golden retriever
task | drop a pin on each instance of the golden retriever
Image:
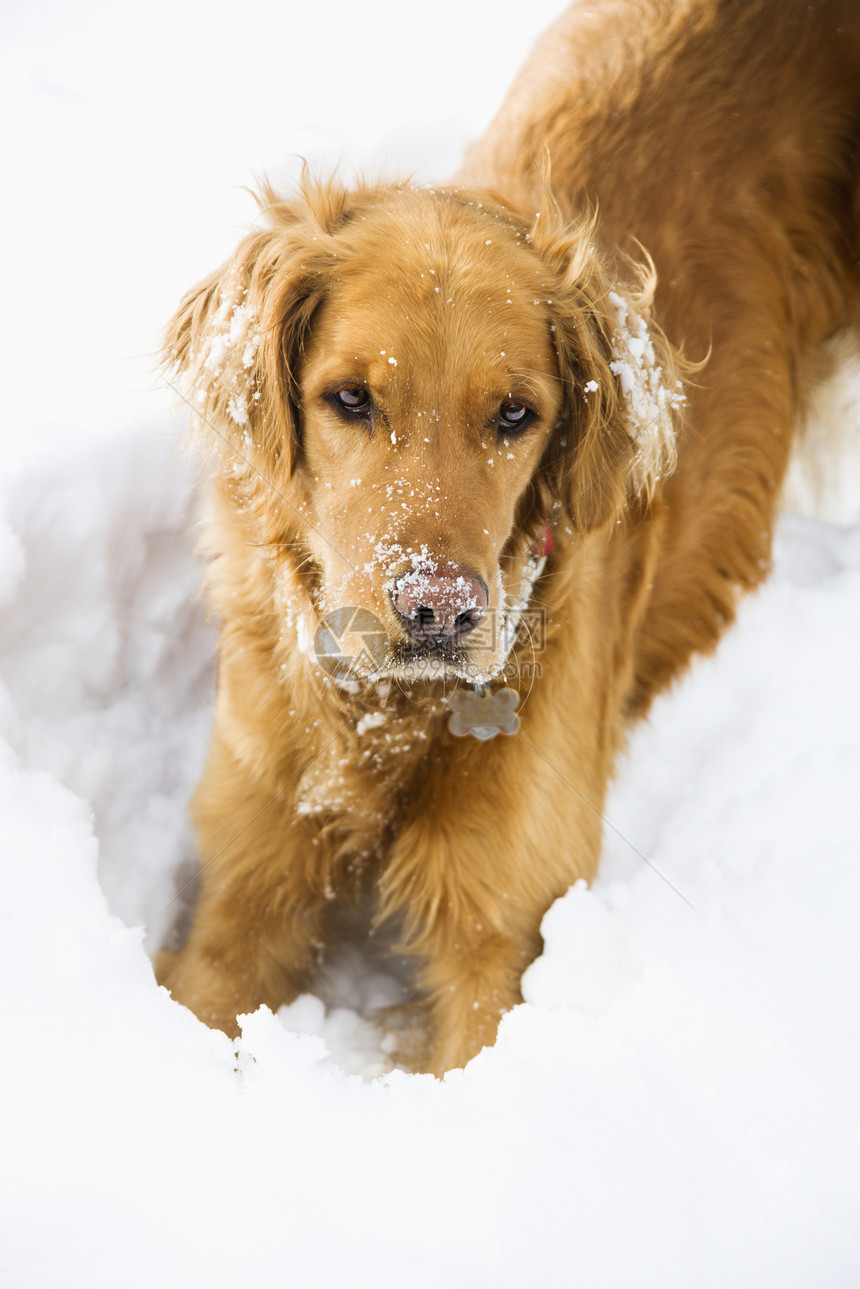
(440, 410)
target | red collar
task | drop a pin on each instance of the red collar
(544, 547)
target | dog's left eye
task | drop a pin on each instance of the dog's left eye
(513, 418)
(352, 399)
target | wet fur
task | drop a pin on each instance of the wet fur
(721, 137)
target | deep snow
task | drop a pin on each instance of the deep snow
(675, 1103)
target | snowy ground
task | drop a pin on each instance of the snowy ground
(675, 1104)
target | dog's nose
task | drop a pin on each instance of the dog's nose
(440, 603)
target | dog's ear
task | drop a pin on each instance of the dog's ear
(622, 392)
(234, 345)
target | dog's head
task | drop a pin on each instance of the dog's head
(408, 388)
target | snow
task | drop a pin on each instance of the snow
(370, 721)
(650, 403)
(675, 1102)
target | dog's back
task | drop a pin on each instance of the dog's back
(723, 138)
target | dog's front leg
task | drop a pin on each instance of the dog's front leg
(472, 882)
(256, 927)
(470, 983)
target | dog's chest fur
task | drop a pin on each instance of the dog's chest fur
(360, 785)
(367, 772)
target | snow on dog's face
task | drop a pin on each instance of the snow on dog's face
(407, 387)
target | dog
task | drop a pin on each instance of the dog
(554, 398)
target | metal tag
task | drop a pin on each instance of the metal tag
(483, 714)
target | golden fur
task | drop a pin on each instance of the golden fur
(721, 137)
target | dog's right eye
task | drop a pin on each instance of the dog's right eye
(354, 400)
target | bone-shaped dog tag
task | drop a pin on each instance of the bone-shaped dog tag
(482, 713)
